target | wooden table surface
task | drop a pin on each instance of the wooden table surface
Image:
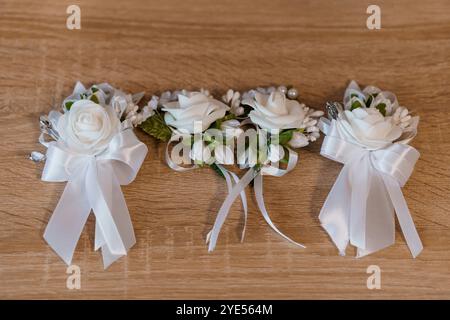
(137, 45)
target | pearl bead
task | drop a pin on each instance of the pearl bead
(292, 93)
(282, 89)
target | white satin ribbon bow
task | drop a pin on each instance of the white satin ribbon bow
(360, 207)
(93, 182)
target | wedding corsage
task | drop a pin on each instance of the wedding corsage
(200, 129)
(257, 129)
(91, 145)
(369, 134)
(276, 124)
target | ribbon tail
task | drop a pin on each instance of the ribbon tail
(360, 173)
(379, 224)
(226, 205)
(334, 215)
(227, 175)
(69, 217)
(100, 243)
(244, 205)
(258, 187)
(114, 230)
(99, 240)
(404, 216)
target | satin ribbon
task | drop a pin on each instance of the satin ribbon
(360, 207)
(230, 177)
(252, 174)
(93, 183)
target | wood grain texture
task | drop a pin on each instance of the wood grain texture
(137, 45)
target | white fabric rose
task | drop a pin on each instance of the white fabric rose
(193, 107)
(88, 127)
(368, 128)
(275, 111)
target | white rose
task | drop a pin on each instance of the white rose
(368, 128)
(193, 107)
(274, 111)
(88, 127)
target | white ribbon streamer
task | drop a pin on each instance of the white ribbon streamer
(360, 207)
(93, 183)
(239, 187)
(228, 175)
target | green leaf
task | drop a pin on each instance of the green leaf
(68, 105)
(216, 169)
(369, 100)
(94, 98)
(286, 136)
(382, 108)
(94, 89)
(355, 104)
(156, 127)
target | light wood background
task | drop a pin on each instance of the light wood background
(136, 45)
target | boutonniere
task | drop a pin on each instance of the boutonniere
(369, 134)
(199, 131)
(276, 124)
(256, 130)
(91, 145)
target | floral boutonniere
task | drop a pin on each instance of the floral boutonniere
(91, 145)
(257, 130)
(276, 123)
(369, 134)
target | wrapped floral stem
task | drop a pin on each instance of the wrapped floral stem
(92, 146)
(370, 136)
